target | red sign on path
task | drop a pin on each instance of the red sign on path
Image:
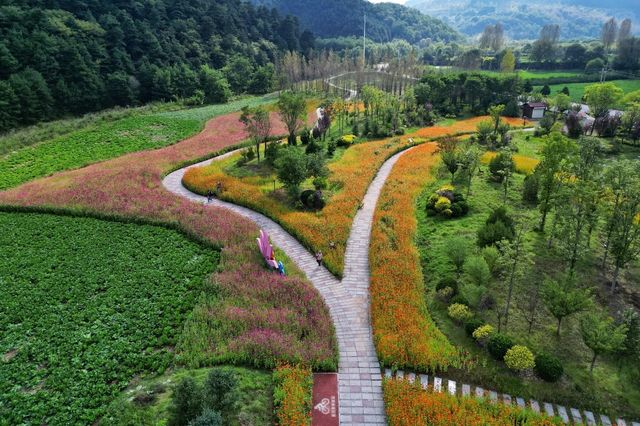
(325, 400)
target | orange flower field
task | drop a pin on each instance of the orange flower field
(353, 173)
(292, 395)
(407, 404)
(404, 333)
(463, 126)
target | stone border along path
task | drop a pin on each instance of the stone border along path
(438, 385)
(359, 374)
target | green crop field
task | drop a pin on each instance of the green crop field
(576, 90)
(87, 305)
(104, 139)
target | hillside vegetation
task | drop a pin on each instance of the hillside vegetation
(129, 52)
(385, 21)
(523, 19)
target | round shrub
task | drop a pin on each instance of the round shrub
(445, 294)
(320, 183)
(448, 282)
(498, 345)
(447, 203)
(347, 140)
(519, 358)
(548, 368)
(471, 325)
(312, 199)
(207, 418)
(305, 195)
(459, 299)
(459, 312)
(482, 333)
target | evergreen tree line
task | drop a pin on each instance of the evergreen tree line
(452, 93)
(67, 57)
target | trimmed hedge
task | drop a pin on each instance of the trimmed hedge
(548, 367)
(498, 345)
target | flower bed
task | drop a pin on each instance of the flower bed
(292, 395)
(246, 315)
(404, 333)
(408, 404)
(350, 175)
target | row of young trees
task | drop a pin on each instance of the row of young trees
(547, 51)
(75, 57)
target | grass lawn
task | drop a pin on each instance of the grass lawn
(87, 305)
(576, 90)
(529, 75)
(147, 402)
(612, 388)
(103, 139)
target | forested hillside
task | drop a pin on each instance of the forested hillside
(64, 57)
(385, 21)
(522, 19)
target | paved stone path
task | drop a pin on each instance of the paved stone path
(359, 374)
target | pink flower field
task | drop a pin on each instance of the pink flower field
(252, 316)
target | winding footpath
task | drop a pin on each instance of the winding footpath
(359, 374)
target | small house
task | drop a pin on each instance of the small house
(534, 110)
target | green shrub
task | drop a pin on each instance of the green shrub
(519, 358)
(499, 226)
(331, 148)
(207, 418)
(291, 166)
(459, 312)
(445, 294)
(447, 203)
(320, 183)
(305, 136)
(459, 299)
(477, 270)
(313, 147)
(483, 333)
(491, 256)
(548, 367)
(457, 250)
(472, 325)
(186, 403)
(448, 282)
(218, 389)
(271, 152)
(312, 199)
(498, 345)
(347, 140)
(500, 165)
(530, 189)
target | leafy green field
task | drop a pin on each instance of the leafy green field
(147, 403)
(103, 140)
(576, 90)
(613, 386)
(86, 306)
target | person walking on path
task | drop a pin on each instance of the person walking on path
(319, 258)
(209, 196)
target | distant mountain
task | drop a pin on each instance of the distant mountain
(523, 19)
(342, 18)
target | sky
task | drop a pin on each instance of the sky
(388, 1)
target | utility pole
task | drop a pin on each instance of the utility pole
(364, 43)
